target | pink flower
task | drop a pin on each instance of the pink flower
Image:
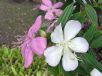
(52, 10)
(33, 45)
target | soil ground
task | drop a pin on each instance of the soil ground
(15, 19)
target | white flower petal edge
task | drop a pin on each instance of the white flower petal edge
(57, 35)
(69, 61)
(79, 44)
(71, 29)
(95, 72)
(53, 55)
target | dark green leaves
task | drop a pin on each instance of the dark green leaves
(91, 13)
(66, 14)
(78, 16)
(90, 59)
(89, 34)
(98, 33)
(94, 37)
(97, 42)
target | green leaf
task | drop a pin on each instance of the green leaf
(89, 34)
(14, 71)
(66, 14)
(89, 58)
(91, 13)
(78, 16)
(97, 34)
(97, 42)
(56, 71)
(83, 68)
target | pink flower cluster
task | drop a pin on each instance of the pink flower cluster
(52, 10)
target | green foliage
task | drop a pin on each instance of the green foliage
(99, 1)
(91, 13)
(59, 71)
(56, 71)
(93, 36)
(66, 14)
(97, 42)
(87, 63)
(89, 34)
(90, 59)
(97, 33)
(78, 16)
(11, 64)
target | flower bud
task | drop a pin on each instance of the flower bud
(42, 33)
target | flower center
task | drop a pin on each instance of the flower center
(52, 8)
(65, 45)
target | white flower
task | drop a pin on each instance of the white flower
(66, 46)
(95, 72)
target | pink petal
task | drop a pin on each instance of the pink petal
(43, 7)
(47, 2)
(51, 27)
(58, 4)
(58, 12)
(28, 58)
(24, 45)
(49, 16)
(35, 27)
(27, 55)
(38, 45)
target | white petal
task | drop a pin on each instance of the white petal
(95, 72)
(71, 29)
(79, 44)
(69, 61)
(53, 55)
(57, 35)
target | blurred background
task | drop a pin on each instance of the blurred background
(16, 16)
